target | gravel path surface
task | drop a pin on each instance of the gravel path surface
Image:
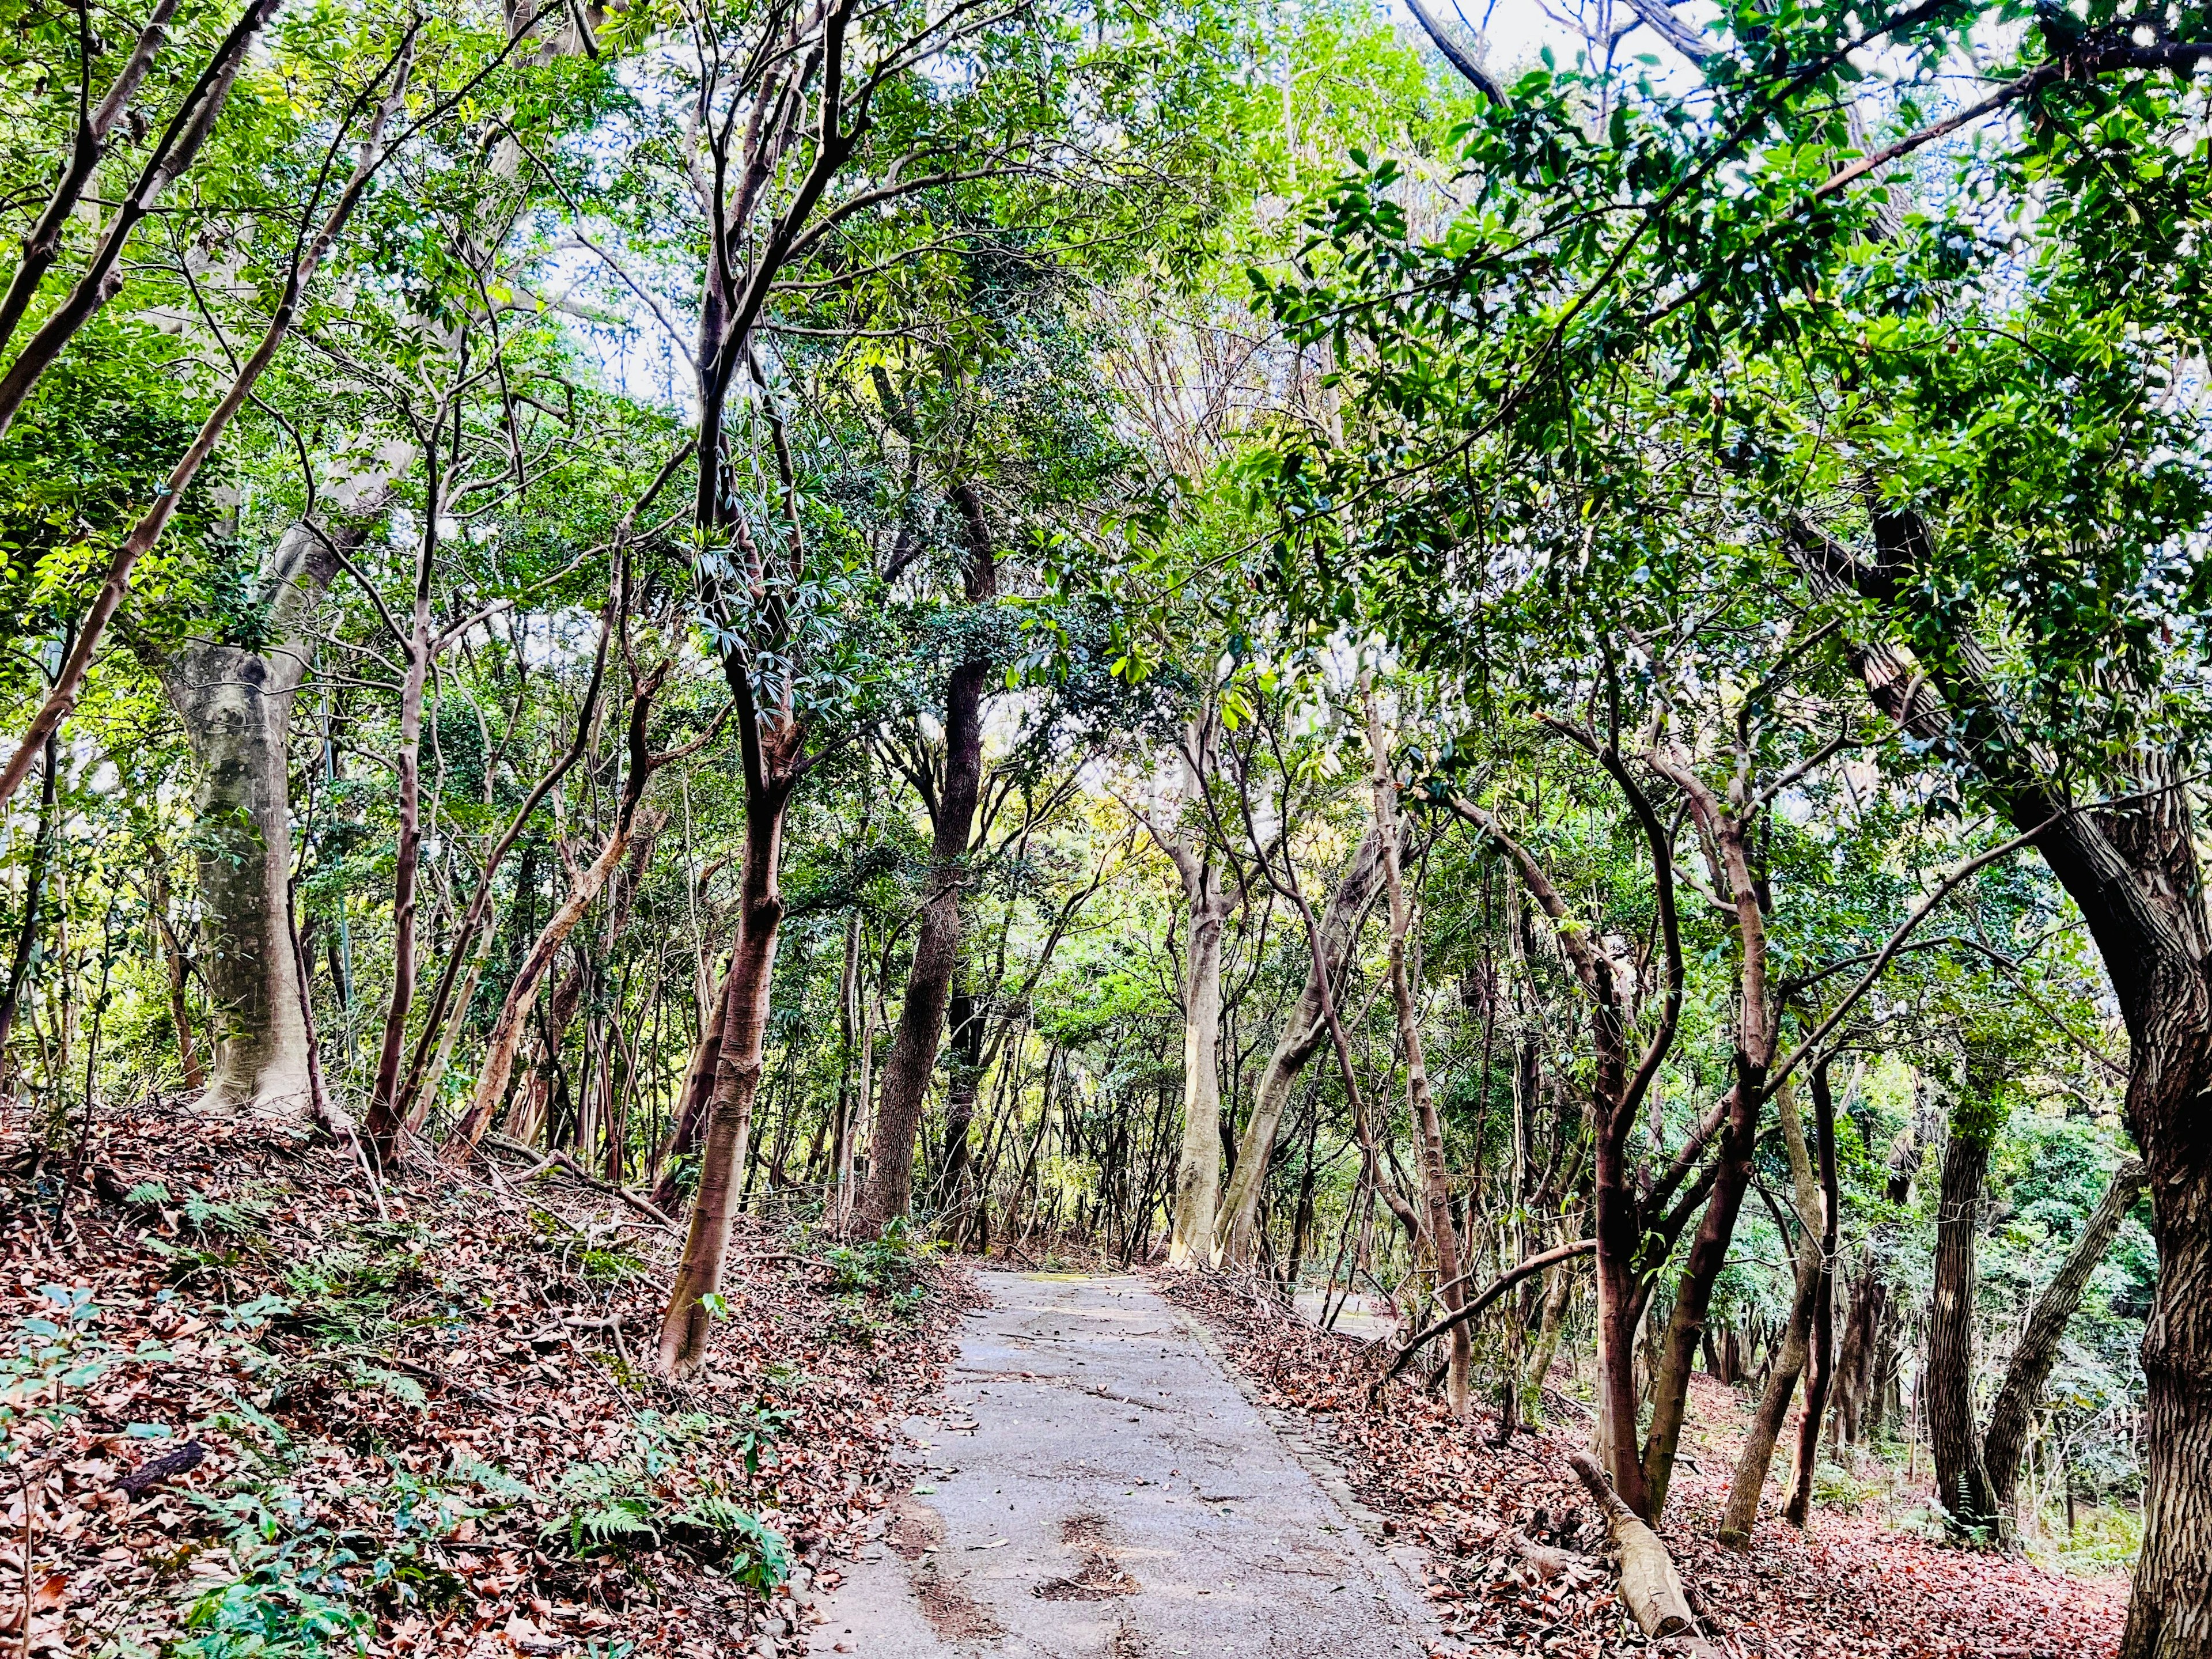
(1097, 1488)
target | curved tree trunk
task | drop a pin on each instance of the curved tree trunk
(1304, 1032)
(1741, 1513)
(2133, 870)
(685, 1325)
(2038, 1348)
(913, 1058)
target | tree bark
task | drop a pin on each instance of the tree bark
(963, 1065)
(685, 1325)
(1444, 1234)
(913, 1058)
(1198, 1164)
(2038, 1348)
(1821, 1358)
(1962, 1482)
(236, 708)
(1304, 1032)
(2133, 869)
(1740, 1512)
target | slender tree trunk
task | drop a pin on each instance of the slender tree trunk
(173, 152)
(1444, 1235)
(34, 890)
(1820, 1360)
(173, 959)
(43, 242)
(890, 1189)
(382, 1124)
(686, 1324)
(1962, 1483)
(2038, 1348)
(1741, 1513)
(840, 1145)
(963, 1060)
(1304, 1032)
(1198, 1166)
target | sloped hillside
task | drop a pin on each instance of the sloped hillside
(260, 1404)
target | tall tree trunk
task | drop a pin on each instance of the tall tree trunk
(1444, 1235)
(26, 954)
(1304, 1032)
(2134, 870)
(1741, 1513)
(1198, 1164)
(2038, 1348)
(1821, 1351)
(1962, 1483)
(840, 1144)
(173, 959)
(1726, 826)
(963, 1066)
(723, 1157)
(382, 1123)
(913, 1058)
(236, 708)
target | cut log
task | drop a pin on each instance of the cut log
(1649, 1587)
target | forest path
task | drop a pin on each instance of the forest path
(1096, 1487)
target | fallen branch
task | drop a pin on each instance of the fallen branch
(569, 1164)
(1649, 1587)
(1505, 1282)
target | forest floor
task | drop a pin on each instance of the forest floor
(1857, 1583)
(261, 1406)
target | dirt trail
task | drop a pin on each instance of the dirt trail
(1097, 1488)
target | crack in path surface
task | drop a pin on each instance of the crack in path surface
(1048, 1516)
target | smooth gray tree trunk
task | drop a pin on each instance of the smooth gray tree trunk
(236, 707)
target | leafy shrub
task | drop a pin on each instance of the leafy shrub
(626, 1506)
(274, 1610)
(294, 1596)
(889, 1260)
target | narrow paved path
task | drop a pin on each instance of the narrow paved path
(1097, 1488)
